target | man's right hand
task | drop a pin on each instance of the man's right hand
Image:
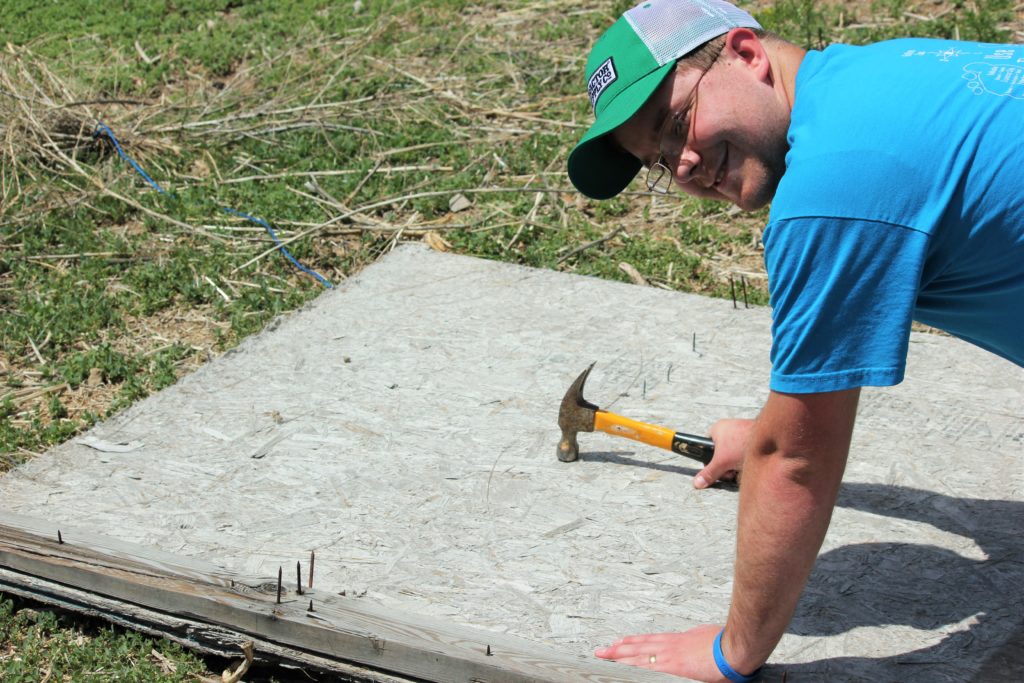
(730, 437)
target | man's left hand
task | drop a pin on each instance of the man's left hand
(688, 654)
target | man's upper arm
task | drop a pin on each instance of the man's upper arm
(843, 293)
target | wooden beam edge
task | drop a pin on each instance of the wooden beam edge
(339, 628)
(207, 639)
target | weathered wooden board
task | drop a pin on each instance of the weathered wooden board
(218, 640)
(403, 426)
(335, 628)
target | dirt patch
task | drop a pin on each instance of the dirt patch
(31, 395)
(195, 327)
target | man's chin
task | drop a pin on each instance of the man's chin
(758, 196)
(753, 203)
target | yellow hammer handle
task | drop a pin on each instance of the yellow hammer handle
(632, 429)
(699, 448)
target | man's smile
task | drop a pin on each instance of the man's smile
(722, 168)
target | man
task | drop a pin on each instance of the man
(894, 173)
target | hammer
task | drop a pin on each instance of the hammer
(577, 415)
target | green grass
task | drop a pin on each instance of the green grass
(815, 25)
(104, 300)
(37, 644)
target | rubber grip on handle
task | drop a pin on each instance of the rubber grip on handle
(697, 447)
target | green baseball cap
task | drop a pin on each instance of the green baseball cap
(625, 67)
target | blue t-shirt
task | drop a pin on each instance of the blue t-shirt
(903, 198)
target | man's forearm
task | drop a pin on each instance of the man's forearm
(791, 478)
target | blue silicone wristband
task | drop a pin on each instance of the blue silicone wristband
(723, 666)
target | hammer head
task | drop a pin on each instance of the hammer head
(576, 415)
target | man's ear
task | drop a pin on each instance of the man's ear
(744, 46)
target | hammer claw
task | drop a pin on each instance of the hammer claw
(574, 415)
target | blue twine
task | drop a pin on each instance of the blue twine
(102, 129)
(273, 236)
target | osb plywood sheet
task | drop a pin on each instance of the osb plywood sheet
(404, 427)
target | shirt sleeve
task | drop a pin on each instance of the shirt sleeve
(842, 293)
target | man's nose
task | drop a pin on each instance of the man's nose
(687, 166)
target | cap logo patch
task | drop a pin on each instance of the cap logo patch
(603, 77)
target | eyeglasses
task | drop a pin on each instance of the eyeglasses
(672, 139)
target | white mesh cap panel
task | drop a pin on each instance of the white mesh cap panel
(671, 28)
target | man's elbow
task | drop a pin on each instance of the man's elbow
(793, 463)
(803, 439)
